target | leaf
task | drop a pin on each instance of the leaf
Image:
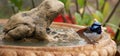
(101, 2)
(17, 3)
(67, 6)
(78, 18)
(81, 3)
(99, 16)
(113, 25)
(66, 3)
(106, 9)
(87, 19)
(118, 37)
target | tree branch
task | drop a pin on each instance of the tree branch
(13, 9)
(111, 14)
(33, 4)
(85, 3)
(77, 7)
(89, 10)
(70, 16)
(97, 5)
(102, 8)
(63, 17)
(117, 33)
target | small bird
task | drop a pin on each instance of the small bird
(92, 33)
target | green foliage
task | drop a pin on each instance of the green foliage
(78, 18)
(17, 3)
(101, 2)
(3, 14)
(81, 3)
(99, 16)
(118, 37)
(106, 9)
(113, 25)
(66, 3)
(86, 20)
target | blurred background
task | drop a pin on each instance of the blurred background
(80, 12)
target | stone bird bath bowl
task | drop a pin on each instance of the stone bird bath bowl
(34, 25)
(104, 47)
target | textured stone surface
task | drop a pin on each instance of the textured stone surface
(105, 47)
(34, 22)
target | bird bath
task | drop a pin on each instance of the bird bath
(23, 33)
(104, 47)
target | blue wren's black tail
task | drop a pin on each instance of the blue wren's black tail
(92, 33)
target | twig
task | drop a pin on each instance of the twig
(63, 17)
(13, 9)
(111, 14)
(33, 4)
(97, 5)
(70, 16)
(117, 33)
(77, 7)
(89, 10)
(103, 6)
(85, 3)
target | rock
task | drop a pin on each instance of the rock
(33, 23)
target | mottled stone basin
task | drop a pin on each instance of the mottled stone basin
(104, 47)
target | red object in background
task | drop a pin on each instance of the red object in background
(59, 18)
(110, 31)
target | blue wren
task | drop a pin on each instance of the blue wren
(92, 33)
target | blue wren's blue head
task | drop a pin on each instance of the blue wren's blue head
(96, 27)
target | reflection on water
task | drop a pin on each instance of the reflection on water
(72, 43)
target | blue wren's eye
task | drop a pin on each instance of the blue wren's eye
(96, 27)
